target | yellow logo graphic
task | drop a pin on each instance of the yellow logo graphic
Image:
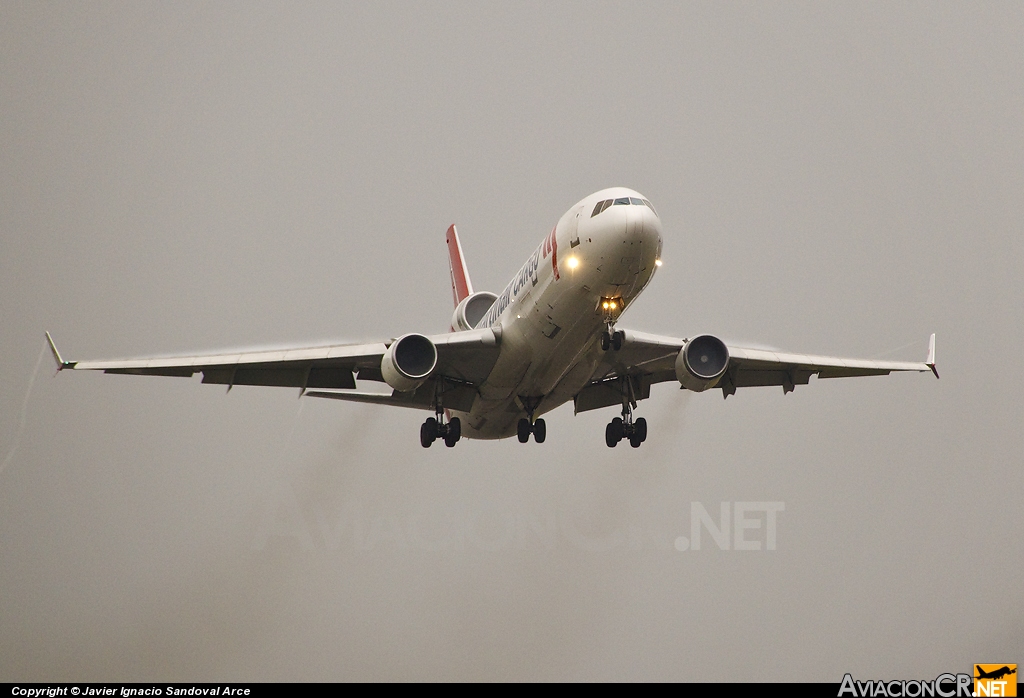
(995, 680)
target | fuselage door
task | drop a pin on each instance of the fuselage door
(574, 226)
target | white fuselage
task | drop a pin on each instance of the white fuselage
(551, 313)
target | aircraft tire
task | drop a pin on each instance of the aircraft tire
(640, 429)
(613, 432)
(455, 428)
(428, 432)
(609, 436)
(523, 430)
(635, 441)
(618, 429)
(617, 340)
(540, 431)
(605, 342)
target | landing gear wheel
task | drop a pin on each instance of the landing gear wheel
(523, 430)
(605, 342)
(617, 338)
(613, 433)
(540, 431)
(625, 428)
(428, 432)
(609, 436)
(618, 429)
(640, 429)
(455, 428)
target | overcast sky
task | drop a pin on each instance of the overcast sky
(839, 178)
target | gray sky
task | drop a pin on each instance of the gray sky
(832, 178)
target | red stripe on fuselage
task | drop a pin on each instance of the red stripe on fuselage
(554, 251)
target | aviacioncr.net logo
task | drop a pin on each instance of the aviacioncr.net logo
(943, 686)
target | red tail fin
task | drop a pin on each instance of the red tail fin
(461, 285)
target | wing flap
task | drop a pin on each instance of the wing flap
(456, 397)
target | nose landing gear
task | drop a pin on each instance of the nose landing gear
(611, 308)
(612, 339)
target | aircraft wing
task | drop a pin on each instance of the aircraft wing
(646, 359)
(464, 359)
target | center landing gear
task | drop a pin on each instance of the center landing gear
(435, 428)
(625, 428)
(539, 430)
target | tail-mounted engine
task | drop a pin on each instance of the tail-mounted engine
(701, 363)
(471, 310)
(408, 362)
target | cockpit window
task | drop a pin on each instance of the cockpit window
(600, 206)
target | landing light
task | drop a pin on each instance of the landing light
(573, 262)
(657, 262)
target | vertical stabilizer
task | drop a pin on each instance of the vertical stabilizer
(461, 285)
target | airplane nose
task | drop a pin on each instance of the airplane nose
(635, 222)
(651, 229)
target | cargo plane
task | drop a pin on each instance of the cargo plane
(550, 337)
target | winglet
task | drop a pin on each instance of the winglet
(930, 363)
(461, 285)
(61, 363)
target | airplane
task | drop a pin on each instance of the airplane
(550, 337)
(996, 674)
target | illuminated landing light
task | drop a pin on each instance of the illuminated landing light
(572, 262)
(657, 262)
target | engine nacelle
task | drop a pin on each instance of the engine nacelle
(472, 309)
(408, 362)
(701, 363)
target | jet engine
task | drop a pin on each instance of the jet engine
(408, 362)
(702, 362)
(472, 309)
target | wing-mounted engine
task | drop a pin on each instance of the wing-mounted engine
(701, 363)
(408, 362)
(471, 310)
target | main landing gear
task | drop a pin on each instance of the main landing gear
(625, 428)
(435, 428)
(539, 430)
